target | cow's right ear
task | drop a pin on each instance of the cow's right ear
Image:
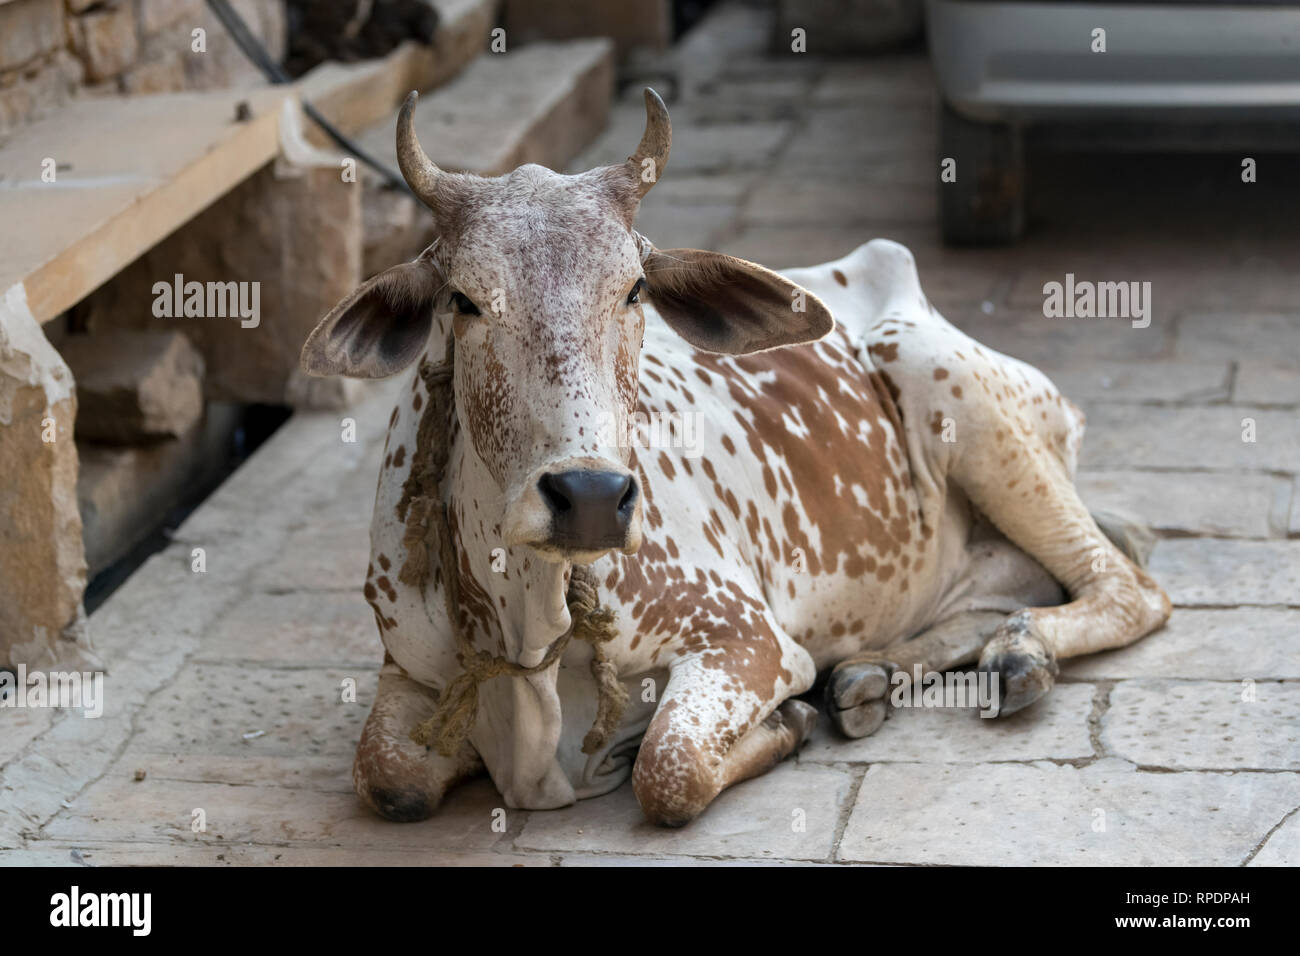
(381, 328)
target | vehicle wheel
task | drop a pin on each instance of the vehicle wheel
(986, 202)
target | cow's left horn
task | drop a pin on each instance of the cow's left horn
(650, 158)
(419, 171)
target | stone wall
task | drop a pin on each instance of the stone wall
(51, 50)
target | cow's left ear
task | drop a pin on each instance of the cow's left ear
(379, 329)
(723, 304)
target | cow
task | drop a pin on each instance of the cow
(872, 490)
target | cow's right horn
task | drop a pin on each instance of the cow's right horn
(651, 156)
(419, 171)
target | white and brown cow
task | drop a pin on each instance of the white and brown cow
(884, 492)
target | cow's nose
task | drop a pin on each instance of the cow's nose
(589, 509)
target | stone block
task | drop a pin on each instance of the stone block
(42, 566)
(135, 387)
(105, 40)
(290, 238)
(29, 30)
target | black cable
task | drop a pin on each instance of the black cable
(258, 55)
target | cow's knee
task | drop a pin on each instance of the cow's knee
(392, 778)
(672, 781)
(393, 775)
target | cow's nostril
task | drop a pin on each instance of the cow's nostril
(590, 509)
(629, 498)
(555, 498)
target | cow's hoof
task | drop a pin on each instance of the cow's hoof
(1024, 665)
(801, 718)
(856, 697)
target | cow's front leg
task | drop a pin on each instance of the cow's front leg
(396, 777)
(724, 717)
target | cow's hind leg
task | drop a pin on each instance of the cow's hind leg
(1031, 498)
(857, 691)
(999, 579)
(396, 777)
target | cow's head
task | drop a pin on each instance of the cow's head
(544, 279)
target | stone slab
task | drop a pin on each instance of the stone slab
(754, 819)
(1208, 644)
(1203, 725)
(1045, 814)
(1055, 728)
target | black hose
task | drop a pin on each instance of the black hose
(258, 55)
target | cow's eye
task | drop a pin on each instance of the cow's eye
(463, 305)
(634, 296)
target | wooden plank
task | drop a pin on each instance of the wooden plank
(129, 172)
(132, 170)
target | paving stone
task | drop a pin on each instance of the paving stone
(1121, 436)
(297, 469)
(816, 200)
(300, 629)
(1034, 338)
(1168, 381)
(19, 726)
(1207, 503)
(795, 246)
(840, 140)
(324, 556)
(753, 819)
(119, 809)
(1294, 526)
(1229, 645)
(329, 772)
(36, 786)
(1261, 337)
(697, 148)
(210, 707)
(879, 79)
(1200, 572)
(607, 860)
(1283, 847)
(1044, 814)
(1265, 383)
(1203, 725)
(684, 227)
(1056, 729)
(1179, 280)
(49, 853)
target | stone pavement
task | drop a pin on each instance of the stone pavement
(225, 689)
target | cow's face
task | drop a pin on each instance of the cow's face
(543, 278)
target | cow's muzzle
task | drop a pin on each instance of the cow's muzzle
(590, 510)
(578, 509)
